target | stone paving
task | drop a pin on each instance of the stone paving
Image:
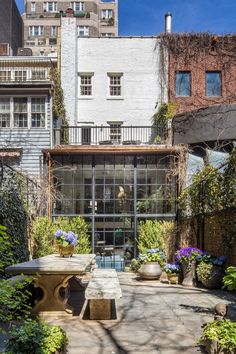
(152, 317)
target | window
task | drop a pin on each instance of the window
(36, 30)
(182, 83)
(213, 83)
(5, 75)
(52, 41)
(20, 112)
(20, 75)
(4, 112)
(115, 85)
(115, 131)
(33, 9)
(50, 6)
(86, 84)
(107, 34)
(83, 31)
(78, 6)
(38, 74)
(37, 112)
(53, 31)
(106, 14)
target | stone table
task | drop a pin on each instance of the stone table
(51, 274)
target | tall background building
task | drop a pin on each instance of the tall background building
(42, 20)
(11, 28)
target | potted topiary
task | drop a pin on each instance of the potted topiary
(151, 262)
(172, 270)
(210, 271)
(33, 336)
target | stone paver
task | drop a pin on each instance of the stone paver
(152, 318)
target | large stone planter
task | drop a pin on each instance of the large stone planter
(189, 274)
(150, 270)
(212, 347)
(214, 281)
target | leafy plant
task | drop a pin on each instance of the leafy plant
(204, 271)
(150, 236)
(58, 98)
(172, 268)
(5, 250)
(224, 332)
(188, 254)
(152, 255)
(15, 303)
(65, 238)
(35, 337)
(43, 230)
(229, 279)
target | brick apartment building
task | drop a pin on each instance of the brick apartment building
(11, 28)
(42, 20)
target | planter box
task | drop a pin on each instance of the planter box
(212, 347)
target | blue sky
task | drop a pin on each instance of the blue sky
(146, 17)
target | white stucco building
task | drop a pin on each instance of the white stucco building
(110, 79)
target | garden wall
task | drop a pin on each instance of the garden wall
(215, 234)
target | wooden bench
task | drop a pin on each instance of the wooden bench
(103, 288)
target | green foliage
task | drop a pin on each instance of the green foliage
(35, 337)
(43, 230)
(14, 299)
(224, 332)
(204, 270)
(165, 112)
(153, 255)
(229, 279)
(5, 250)
(150, 236)
(58, 98)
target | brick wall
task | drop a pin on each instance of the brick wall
(197, 66)
(4, 49)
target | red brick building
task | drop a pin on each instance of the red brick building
(202, 70)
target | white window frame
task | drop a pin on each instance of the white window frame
(80, 85)
(32, 31)
(5, 111)
(115, 131)
(53, 31)
(106, 14)
(109, 85)
(29, 116)
(85, 30)
(78, 6)
(50, 3)
(33, 6)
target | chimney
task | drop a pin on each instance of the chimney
(168, 19)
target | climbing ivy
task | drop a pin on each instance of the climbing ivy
(58, 96)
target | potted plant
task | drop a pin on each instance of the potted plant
(33, 336)
(219, 337)
(187, 257)
(210, 272)
(229, 279)
(66, 242)
(151, 262)
(172, 270)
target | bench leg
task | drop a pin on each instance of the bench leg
(100, 309)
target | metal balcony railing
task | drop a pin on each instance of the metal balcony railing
(107, 135)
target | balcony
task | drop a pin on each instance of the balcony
(107, 135)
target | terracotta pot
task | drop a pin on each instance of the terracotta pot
(189, 274)
(66, 251)
(173, 278)
(150, 270)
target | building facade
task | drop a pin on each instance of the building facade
(25, 112)
(108, 166)
(11, 28)
(42, 20)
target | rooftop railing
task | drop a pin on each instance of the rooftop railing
(110, 135)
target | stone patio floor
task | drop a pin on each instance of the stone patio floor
(152, 317)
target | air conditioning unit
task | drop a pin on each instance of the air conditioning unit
(24, 52)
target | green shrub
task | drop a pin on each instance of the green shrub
(35, 337)
(204, 270)
(15, 300)
(229, 279)
(150, 236)
(43, 229)
(224, 332)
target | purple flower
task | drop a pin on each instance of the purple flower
(188, 254)
(172, 268)
(59, 233)
(66, 238)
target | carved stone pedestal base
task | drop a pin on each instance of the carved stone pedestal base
(100, 309)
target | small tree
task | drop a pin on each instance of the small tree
(150, 236)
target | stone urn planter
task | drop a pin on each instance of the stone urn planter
(214, 279)
(212, 347)
(150, 270)
(189, 274)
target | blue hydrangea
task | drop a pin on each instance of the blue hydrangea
(59, 233)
